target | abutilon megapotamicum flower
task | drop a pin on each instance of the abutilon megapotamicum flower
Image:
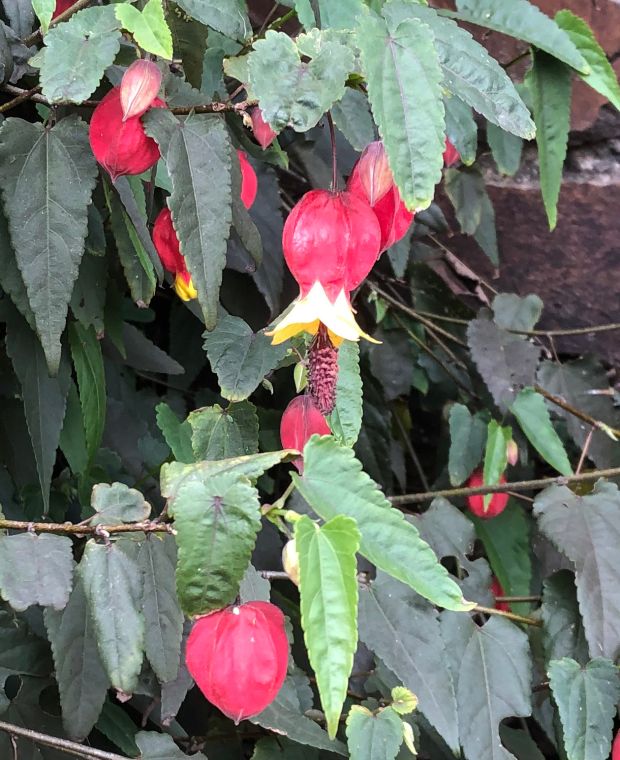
(121, 147)
(249, 182)
(497, 503)
(139, 87)
(451, 156)
(263, 133)
(301, 420)
(497, 590)
(372, 180)
(238, 657)
(61, 7)
(167, 245)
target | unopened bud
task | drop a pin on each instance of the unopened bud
(374, 172)
(290, 561)
(451, 155)
(139, 88)
(512, 452)
(263, 133)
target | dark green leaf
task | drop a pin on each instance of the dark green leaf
(11, 280)
(352, 117)
(520, 743)
(216, 523)
(586, 698)
(403, 630)
(513, 312)
(21, 652)
(281, 748)
(178, 434)
(89, 293)
(117, 503)
(486, 233)
(44, 397)
(45, 199)
(254, 587)
(155, 746)
(224, 433)
(334, 483)
(162, 615)
(88, 363)
(328, 590)
(227, 16)
(466, 190)
(144, 355)
(82, 681)
(403, 77)
(467, 436)
(551, 87)
(587, 530)
(72, 440)
(346, 419)
(197, 153)
(240, 358)
(35, 569)
(189, 39)
(563, 633)
(530, 410)
(506, 149)
(461, 128)
(392, 362)
(116, 725)
(374, 736)
(76, 54)
(113, 586)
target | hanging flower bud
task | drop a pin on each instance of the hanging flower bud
(300, 421)
(290, 561)
(121, 147)
(374, 172)
(323, 371)
(61, 7)
(615, 750)
(167, 245)
(451, 156)
(238, 657)
(512, 452)
(497, 503)
(263, 133)
(249, 183)
(497, 590)
(330, 242)
(139, 87)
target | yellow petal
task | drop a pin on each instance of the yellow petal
(185, 290)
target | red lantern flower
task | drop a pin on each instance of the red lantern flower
(139, 87)
(121, 147)
(615, 750)
(61, 7)
(300, 421)
(167, 246)
(238, 657)
(372, 180)
(498, 501)
(497, 590)
(330, 241)
(249, 183)
(263, 133)
(451, 156)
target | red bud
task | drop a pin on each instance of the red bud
(451, 155)
(121, 147)
(300, 421)
(139, 87)
(238, 657)
(61, 7)
(263, 133)
(249, 183)
(512, 452)
(167, 243)
(498, 501)
(615, 750)
(374, 172)
(497, 590)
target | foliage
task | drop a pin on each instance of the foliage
(142, 479)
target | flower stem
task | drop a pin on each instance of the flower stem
(332, 137)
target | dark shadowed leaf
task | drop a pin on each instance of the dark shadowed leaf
(466, 189)
(563, 633)
(11, 280)
(224, 433)
(89, 292)
(467, 437)
(21, 652)
(72, 440)
(117, 726)
(272, 748)
(178, 433)
(117, 503)
(520, 743)
(88, 363)
(392, 362)
(513, 312)
(374, 736)
(506, 149)
(352, 117)
(155, 746)
(254, 587)
(461, 128)
(226, 16)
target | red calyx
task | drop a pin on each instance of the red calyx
(121, 147)
(238, 657)
(300, 421)
(167, 243)
(61, 7)
(451, 156)
(330, 238)
(498, 501)
(615, 750)
(249, 183)
(497, 590)
(263, 133)
(139, 87)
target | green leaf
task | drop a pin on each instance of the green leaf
(346, 419)
(495, 458)
(530, 410)
(117, 726)
(467, 437)
(11, 280)
(506, 149)
(587, 530)
(513, 312)
(403, 630)
(466, 189)
(468, 70)
(404, 78)
(76, 54)
(586, 698)
(374, 736)
(352, 117)
(290, 91)
(523, 20)
(341, 15)
(35, 570)
(45, 199)
(601, 76)
(82, 681)
(254, 587)
(148, 28)
(44, 10)
(328, 591)
(197, 153)
(44, 397)
(563, 633)
(156, 746)
(88, 363)
(162, 614)
(239, 357)
(549, 81)
(491, 668)
(117, 503)
(113, 586)
(178, 434)
(224, 433)
(335, 484)
(404, 701)
(486, 234)
(90, 290)
(21, 652)
(189, 40)
(72, 440)
(461, 128)
(226, 16)
(216, 523)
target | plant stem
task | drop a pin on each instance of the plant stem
(64, 745)
(509, 615)
(332, 137)
(571, 330)
(577, 412)
(32, 38)
(26, 95)
(511, 599)
(520, 485)
(148, 526)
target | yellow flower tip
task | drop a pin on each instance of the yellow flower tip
(184, 288)
(315, 308)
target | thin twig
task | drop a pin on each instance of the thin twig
(516, 59)
(509, 615)
(64, 745)
(598, 424)
(86, 530)
(571, 330)
(332, 137)
(517, 599)
(520, 485)
(584, 450)
(412, 452)
(26, 95)
(32, 38)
